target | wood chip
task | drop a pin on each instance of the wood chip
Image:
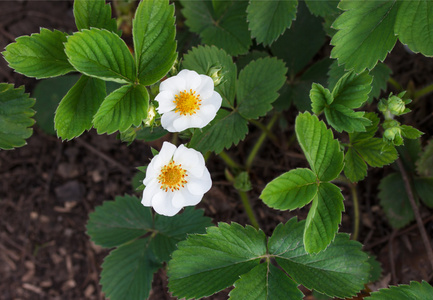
(33, 288)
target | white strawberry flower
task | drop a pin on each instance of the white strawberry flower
(187, 100)
(176, 177)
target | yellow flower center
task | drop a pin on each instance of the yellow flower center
(172, 177)
(187, 103)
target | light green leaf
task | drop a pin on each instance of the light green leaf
(321, 150)
(171, 230)
(94, 13)
(205, 264)
(291, 190)
(365, 33)
(320, 98)
(424, 189)
(413, 25)
(15, 116)
(227, 29)
(340, 270)
(258, 85)
(323, 218)
(355, 168)
(424, 165)
(376, 152)
(342, 118)
(120, 221)
(154, 40)
(76, 110)
(40, 55)
(409, 132)
(308, 33)
(202, 59)
(323, 8)
(127, 272)
(102, 54)
(416, 290)
(370, 130)
(227, 129)
(265, 282)
(394, 200)
(267, 20)
(124, 107)
(352, 89)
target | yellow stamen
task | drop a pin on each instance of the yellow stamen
(172, 177)
(187, 103)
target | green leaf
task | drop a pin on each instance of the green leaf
(424, 189)
(394, 200)
(355, 168)
(117, 222)
(154, 40)
(202, 59)
(342, 118)
(124, 107)
(409, 132)
(264, 282)
(340, 270)
(413, 25)
(416, 290)
(127, 272)
(352, 89)
(291, 190)
(267, 20)
(15, 116)
(227, 129)
(258, 86)
(370, 130)
(226, 28)
(76, 110)
(424, 165)
(48, 93)
(365, 33)
(375, 268)
(205, 264)
(323, 8)
(321, 150)
(376, 152)
(242, 182)
(171, 230)
(308, 33)
(94, 13)
(323, 218)
(320, 98)
(40, 55)
(151, 133)
(102, 54)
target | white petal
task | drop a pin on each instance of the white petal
(206, 87)
(165, 102)
(149, 191)
(199, 185)
(167, 120)
(214, 100)
(206, 114)
(162, 204)
(192, 79)
(191, 160)
(173, 85)
(184, 198)
(165, 155)
(181, 123)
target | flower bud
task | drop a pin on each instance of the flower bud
(216, 74)
(151, 116)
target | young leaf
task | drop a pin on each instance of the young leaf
(154, 40)
(413, 26)
(108, 227)
(264, 282)
(415, 290)
(94, 13)
(258, 85)
(323, 218)
(376, 152)
(352, 90)
(320, 98)
(226, 129)
(340, 270)
(40, 55)
(394, 200)
(409, 132)
(342, 118)
(291, 190)
(267, 20)
(102, 54)
(321, 150)
(76, 110)
(127, 272)
(225, 28)
(370, 130)
(15, 116)
(205, 264)
(202, 59)
(365, 33)
(355, 168)
(124, 107)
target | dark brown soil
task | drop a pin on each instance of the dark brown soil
(49, 187)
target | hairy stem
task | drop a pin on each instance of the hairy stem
(355, 210)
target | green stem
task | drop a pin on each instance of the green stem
(356, 211)
(229, 161)
(265, 130)
(423, 91)
(260, 141)
(249, 209)
(394, 83)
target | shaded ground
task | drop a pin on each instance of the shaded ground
(48, 188)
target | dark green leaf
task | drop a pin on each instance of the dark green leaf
(154, 40)
(424, 164)
(76, 110)
(267, 20)
(15, 116)
(151, 133)
(40, 55)
(375, 268)
(416, 290)
(94, 13)
(102, 54)
(124, 107)
(355, 168)
(424, 189)
(258, 85)
(323, 8)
